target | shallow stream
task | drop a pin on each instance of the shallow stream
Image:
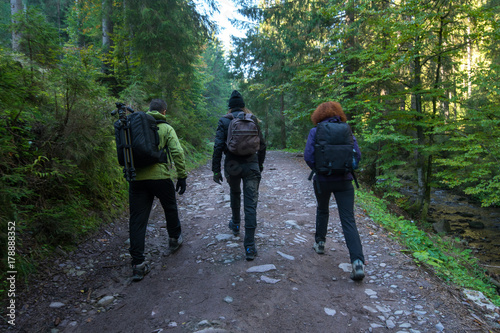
(478, 226)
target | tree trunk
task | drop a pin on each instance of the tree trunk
(283, 122)
(107, 24)
(266, 125)
(107, 30)
(16, 7)
(419, 158)
(350, 65)
(437, 80)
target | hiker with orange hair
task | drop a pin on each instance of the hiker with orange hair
(331, 116)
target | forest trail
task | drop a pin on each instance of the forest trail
(208, 286)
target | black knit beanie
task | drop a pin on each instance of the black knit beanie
(236, 100)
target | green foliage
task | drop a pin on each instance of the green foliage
(269, 57)
(59, 177)
(418, 82)
(39, 39)
(4, 23)
(168, 38)
(443, 256)
(473, 142)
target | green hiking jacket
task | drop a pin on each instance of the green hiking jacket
(169, 138)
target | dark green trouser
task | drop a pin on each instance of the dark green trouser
(249, 173)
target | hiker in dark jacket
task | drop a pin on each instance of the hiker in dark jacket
(237, 169)
(341, 187)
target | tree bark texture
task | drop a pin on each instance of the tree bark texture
(16, 7)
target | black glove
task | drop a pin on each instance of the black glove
(218, 178)
(261, 168)
(181, 185)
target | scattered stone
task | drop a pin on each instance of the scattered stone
(261, 268)
(390, 324)
(228, 299)
(369, 308)
(383, 308)
(204, 323)
(269, 280)
(370, 292)
(56, 305)
(106, 300)
(376, 325)
(223, 237)
(442, 227)
(479, 298)
(293, 224)
(439, 327)
(286, 256)
(330, 312)
(299, 239)
(346, 267)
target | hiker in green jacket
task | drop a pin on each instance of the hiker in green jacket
(152, 181)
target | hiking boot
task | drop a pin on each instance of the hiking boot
(174, 243)
(235, 228)
(358, 270)
(250, 253)
(319, 247)
(139, 271)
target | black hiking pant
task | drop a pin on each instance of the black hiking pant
(250, 175)
(344, 196)
(141, 196)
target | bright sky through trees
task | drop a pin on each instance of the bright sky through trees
(227, 11)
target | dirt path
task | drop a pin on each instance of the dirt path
(207, 286)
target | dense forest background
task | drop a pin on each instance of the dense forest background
(419, 81)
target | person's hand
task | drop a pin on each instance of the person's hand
(181, 185)
(261, 168)
(218, 178)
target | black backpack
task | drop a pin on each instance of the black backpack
(143, 142)
(243, 137)
(334, 152)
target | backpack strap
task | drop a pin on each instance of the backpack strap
(231, 116)
(165, 148)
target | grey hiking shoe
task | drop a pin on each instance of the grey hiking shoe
(319, 247)
(235, 228)
(140, 270)
(174, 243)
(358, 270)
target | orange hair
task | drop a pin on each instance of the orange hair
(328, 110)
